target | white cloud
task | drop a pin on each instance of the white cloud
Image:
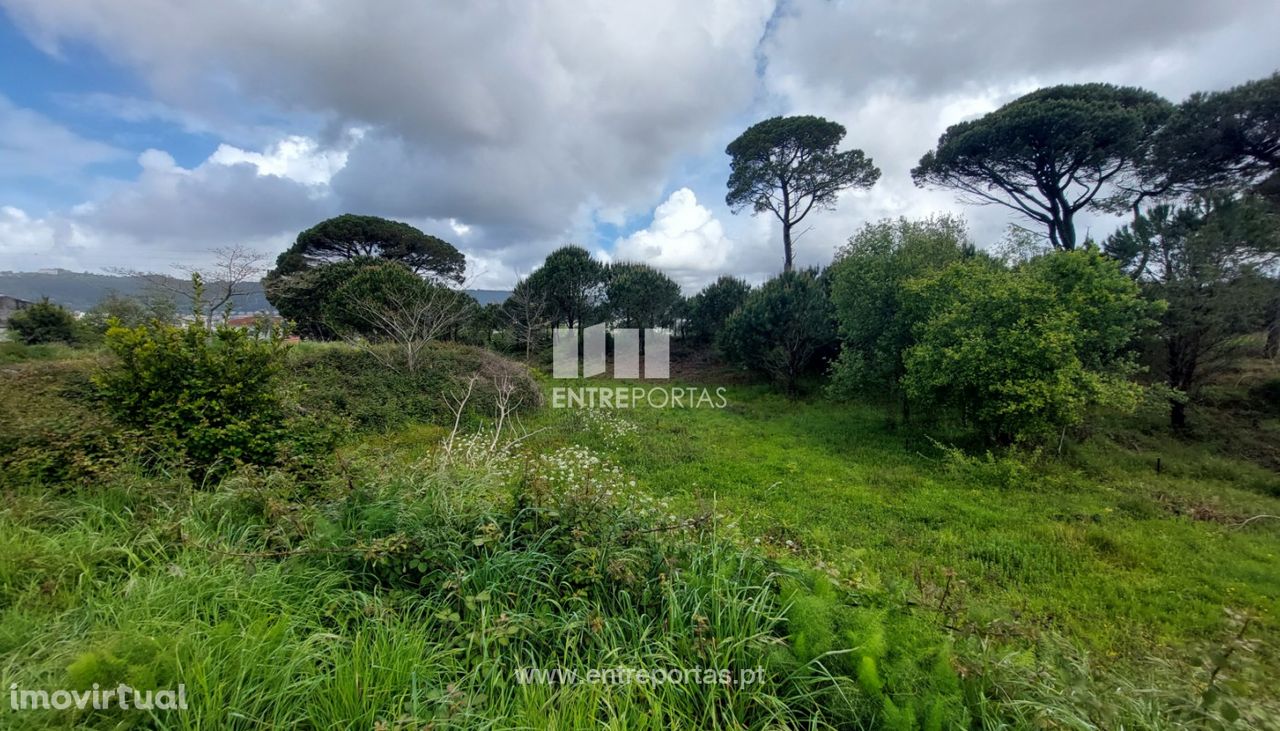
(158, 161)
(930, 47)
(171, 214)
(513, 128)
(28, 242)
(32, 145)
(507, 116)
(232, 197)
(684, 240)
(295, 157)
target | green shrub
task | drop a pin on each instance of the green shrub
(708, 310)
(136, 661)
(782, 330)
(1106, 304)
(301, 297)
(868, 279)
(388, 302)
(1007, 350)
(902, 670)
(44, 322)
(209, 396)
(1004, 471)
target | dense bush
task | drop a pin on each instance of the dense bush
(1105, 303)
(388, 302)
(1020, 353)
(210, 396)
(301, 297)
(708, 310)
(868, 286)
(1009, 350)
(350, 383)
(44, 322)
(782, 329)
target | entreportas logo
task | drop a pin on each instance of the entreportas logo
(583, 354)
(566, 355)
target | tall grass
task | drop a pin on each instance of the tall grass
(406, 599)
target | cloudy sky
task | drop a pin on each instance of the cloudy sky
(142, 133)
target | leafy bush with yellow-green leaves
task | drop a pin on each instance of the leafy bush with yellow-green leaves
(207, 394)
(1024, 354)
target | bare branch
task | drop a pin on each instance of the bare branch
(230, 276)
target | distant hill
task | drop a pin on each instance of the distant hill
(82, 290)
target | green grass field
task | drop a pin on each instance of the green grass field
(1094, 544)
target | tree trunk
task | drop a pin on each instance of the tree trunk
(1272, 348)
(1181, 375)
(1062, 226)
(1068, 230)
(786, 246)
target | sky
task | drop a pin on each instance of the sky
(141, 134)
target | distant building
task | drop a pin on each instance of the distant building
(267, 321)
(10, 305)
(255, 319)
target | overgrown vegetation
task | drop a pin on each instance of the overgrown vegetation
(412, 578)
(335, 380)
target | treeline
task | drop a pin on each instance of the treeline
(1016, 347)
(911, 309)
(1022, 346)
